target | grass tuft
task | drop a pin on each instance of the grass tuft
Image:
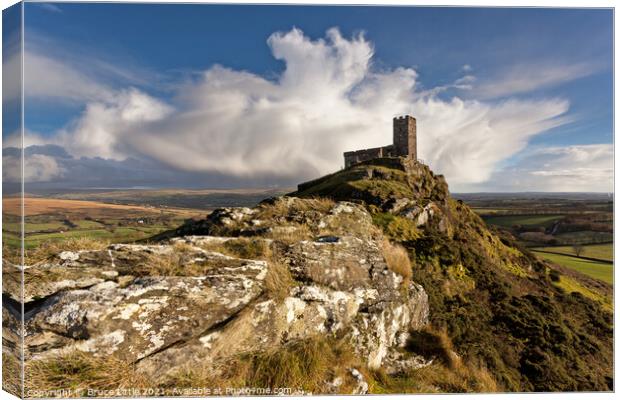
(248, 248)
(11, 373)
(447, 374)
(47, 250)
(436, 378)
(285, 206)
(397, 260)
(78, 370)
(295, 234)
(178, 262)
(570, 285)
(303, 365)
(278, 281)
(433, 343)
(183, 260)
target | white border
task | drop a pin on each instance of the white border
(448, 3)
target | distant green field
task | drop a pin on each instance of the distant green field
(595, 269)
(120, 234)
(86, 224)
(117, 235)
(10, 240)
(56, 220)
(33, 227)
(511, 220)
(489, 211)
(585, 237)
(600, 251)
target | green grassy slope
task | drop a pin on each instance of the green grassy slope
(598, 251)
(530, 326)
(599, 270)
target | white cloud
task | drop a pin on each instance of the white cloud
(37, 168)
(105, 126)
(329, 99)
(467, 140)
(529, 77)
(30, 139)
(573, 168)
(578, 168)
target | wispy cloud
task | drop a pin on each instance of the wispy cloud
(526, 78)
(59, 72)
(53, 79)
(50, 7)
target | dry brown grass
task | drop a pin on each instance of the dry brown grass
(306, 365)
(278, 281)
(178, 262)
(49, 249)
(11, 373)
(430, 342)
(436, 378)
(283, 206)
(447, 374)
(249, 248)
(397, 260)
(11, 254)
(184, 259)
(79, 370)
(299, 233)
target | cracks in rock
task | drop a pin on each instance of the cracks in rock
(111, 258)
(184, 340)
(13, 306)
(32, 308)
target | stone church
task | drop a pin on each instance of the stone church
(404, 144)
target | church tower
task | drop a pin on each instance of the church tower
(405, 144)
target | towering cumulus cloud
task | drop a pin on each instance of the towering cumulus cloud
(328, 99)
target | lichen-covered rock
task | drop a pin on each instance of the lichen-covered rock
(206, 307)
(44, 280)
(70, 270)
(149, 314)
(345, 287)
(344, 264)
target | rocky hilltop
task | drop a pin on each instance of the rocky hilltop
(372, 279)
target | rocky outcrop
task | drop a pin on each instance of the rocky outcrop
(246, 289)
(191, 300)
(496, 301)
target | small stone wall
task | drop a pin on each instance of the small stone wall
(358, 156)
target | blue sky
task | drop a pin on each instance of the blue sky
(506, 99)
